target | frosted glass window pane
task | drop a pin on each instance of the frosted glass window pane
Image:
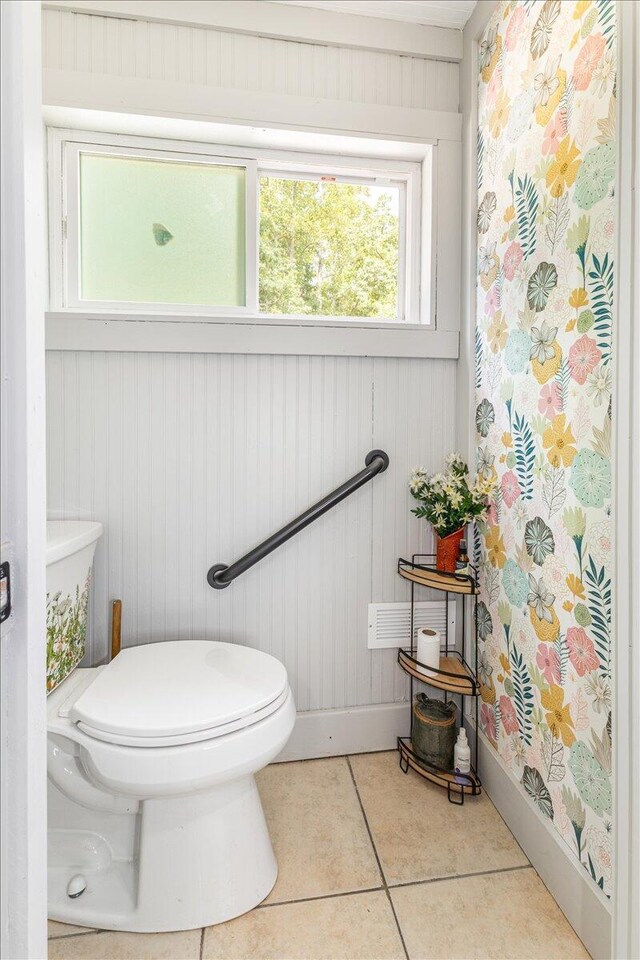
(162, 231)
(328, 249)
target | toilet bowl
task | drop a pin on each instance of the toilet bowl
(154, 813)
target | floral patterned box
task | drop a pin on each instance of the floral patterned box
(70, 549)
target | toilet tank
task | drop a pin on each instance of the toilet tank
(71, 545)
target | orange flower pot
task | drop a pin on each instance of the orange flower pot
(448, 550)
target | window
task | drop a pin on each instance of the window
(154, 227)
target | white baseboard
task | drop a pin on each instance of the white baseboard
(585, 907)
(331, 733)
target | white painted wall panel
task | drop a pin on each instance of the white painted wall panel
(191, 459)
(206, 57)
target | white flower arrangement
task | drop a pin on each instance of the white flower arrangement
(449, 501)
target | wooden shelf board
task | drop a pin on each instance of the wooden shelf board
(437, 580)
(461, 683)
(440, 777)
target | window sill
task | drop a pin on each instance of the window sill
(154, 333)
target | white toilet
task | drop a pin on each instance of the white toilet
(155, 822)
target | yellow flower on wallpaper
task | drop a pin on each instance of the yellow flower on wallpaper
(499, 114)
(564, 168)
(576, 586)
(495, 547)
(579, 298)
(546, 631)
(581, 7)
(507, 439)
(559, 715)
(490, 50)
(545, 371)
(558, 440)
(488, 692)
(498, 333)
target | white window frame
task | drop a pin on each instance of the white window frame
(415, 286)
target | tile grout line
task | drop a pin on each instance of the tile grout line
(460, 876)
(202, 943)
(375, 851)
(81, 933)
(320, 896)
(391, 886)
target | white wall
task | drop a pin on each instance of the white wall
(190, 460)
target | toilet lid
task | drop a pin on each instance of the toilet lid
(179, 687)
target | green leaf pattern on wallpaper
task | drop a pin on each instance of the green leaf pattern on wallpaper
(546, 173)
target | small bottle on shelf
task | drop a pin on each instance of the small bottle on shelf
(462, 753)
(462, 563)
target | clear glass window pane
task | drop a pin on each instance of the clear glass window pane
(161, 231)
(328, 249)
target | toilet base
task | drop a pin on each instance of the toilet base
(179, 863)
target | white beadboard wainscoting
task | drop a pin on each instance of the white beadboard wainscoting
(191, 459)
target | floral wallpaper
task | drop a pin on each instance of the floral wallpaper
(546, 169)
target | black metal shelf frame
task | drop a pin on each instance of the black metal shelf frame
(457, 787)
(221, 575)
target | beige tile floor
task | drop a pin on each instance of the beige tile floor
(373, 865)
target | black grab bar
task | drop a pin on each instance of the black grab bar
(221, 575)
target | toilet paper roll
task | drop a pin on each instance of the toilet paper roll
(428, 650)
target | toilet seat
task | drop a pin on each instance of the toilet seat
(179, 692)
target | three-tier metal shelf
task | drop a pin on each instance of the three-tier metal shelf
(457, 674)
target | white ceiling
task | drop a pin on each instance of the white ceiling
(436, 13)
